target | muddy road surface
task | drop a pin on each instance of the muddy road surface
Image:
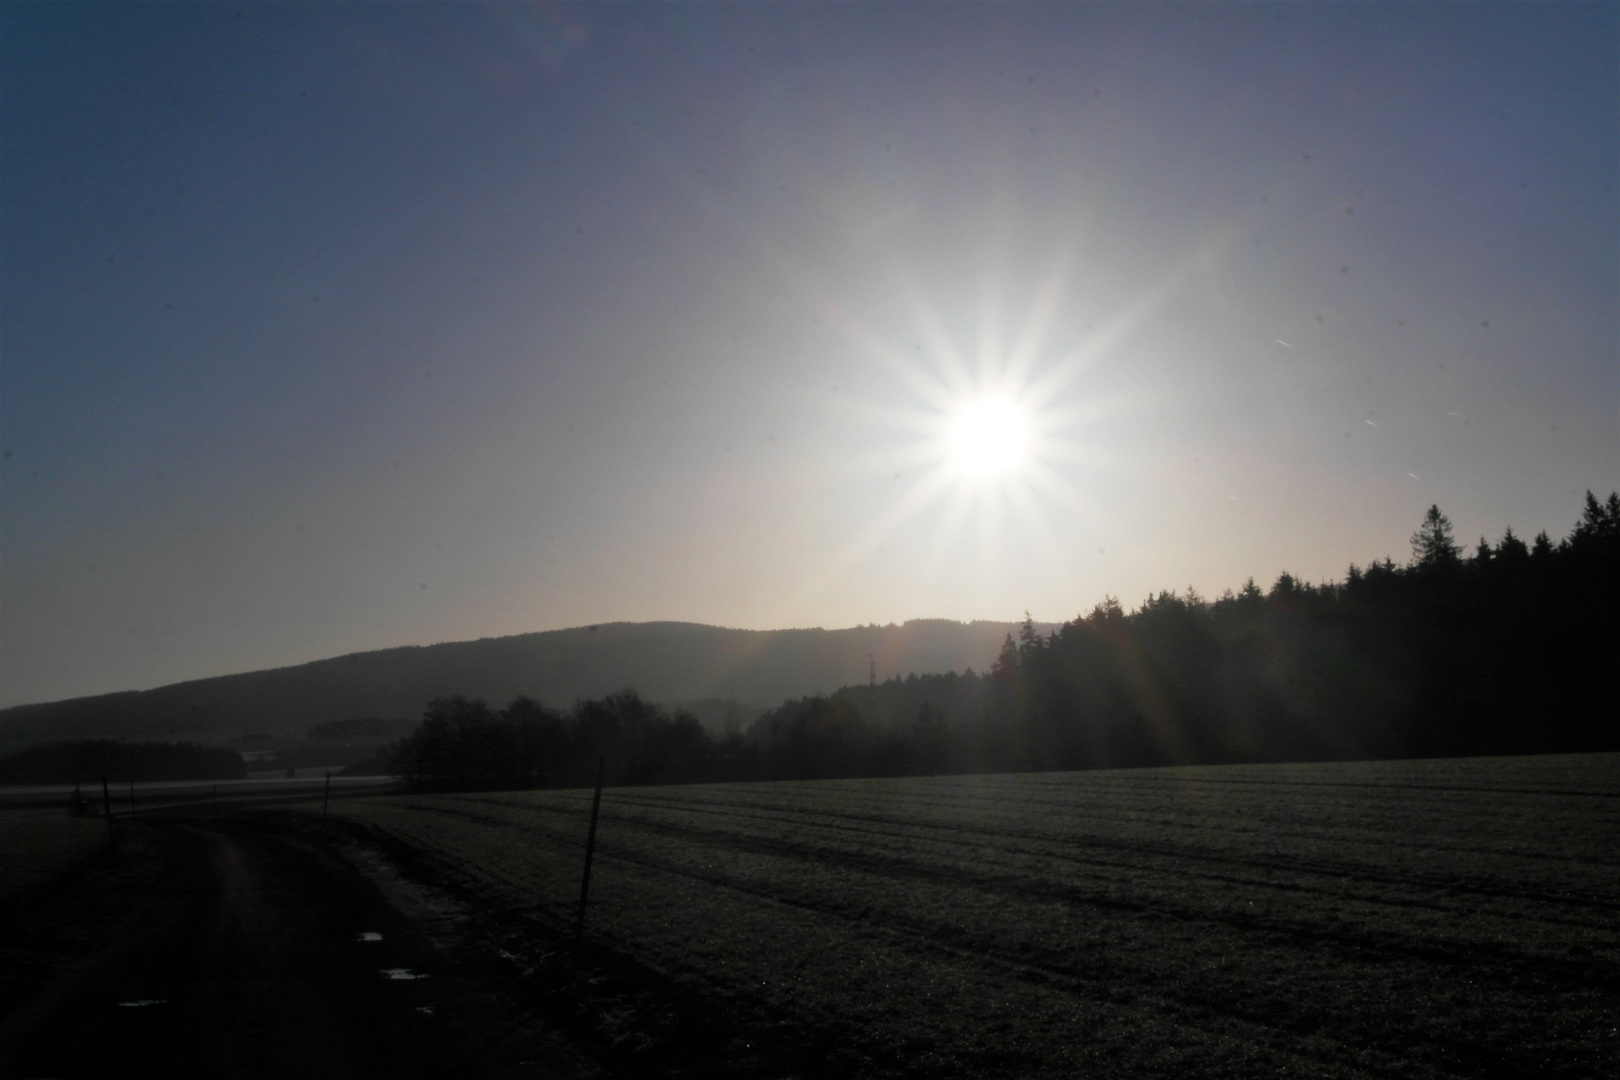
(218, 947)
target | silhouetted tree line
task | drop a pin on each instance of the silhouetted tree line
(1509, 649)
(88, 761)
(463, 745)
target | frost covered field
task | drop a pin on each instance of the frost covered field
(1421, 918)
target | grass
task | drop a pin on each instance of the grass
(37, 850)
(1420, 919)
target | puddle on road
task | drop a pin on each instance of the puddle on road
(369, 935)
(142, 1003)
(401, 973)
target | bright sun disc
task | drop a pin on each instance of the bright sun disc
(988, 437)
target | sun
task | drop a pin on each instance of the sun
(988, 437)
(997, 432)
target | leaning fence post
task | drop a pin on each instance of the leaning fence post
(590, 848)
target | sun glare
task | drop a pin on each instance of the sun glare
(992, 437)
(988, 437)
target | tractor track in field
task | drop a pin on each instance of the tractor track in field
(1101, 982)
(1118, 925)
(992, 840)
(1257, 1019)
(928, 933)
(888, 865)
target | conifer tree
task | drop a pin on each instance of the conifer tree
(1432, 545)
(1511, 549)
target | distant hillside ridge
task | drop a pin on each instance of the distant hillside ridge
(670, 662)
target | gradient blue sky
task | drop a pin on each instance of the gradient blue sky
(328, 328)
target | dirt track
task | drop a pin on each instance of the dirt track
(209, 947)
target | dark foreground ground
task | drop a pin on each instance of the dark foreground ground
(237, 946)
(1444, 920)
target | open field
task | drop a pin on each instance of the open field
(36, 851)
(1424, 918)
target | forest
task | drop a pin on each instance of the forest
(1509, 648)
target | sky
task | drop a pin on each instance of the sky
(332, 327)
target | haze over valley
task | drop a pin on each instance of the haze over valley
(720, 674)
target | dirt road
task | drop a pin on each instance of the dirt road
(212, 947)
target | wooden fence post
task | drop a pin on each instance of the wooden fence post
(590, 848)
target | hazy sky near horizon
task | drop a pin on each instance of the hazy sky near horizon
(333, 327)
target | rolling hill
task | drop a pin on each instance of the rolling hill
(711, 669)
